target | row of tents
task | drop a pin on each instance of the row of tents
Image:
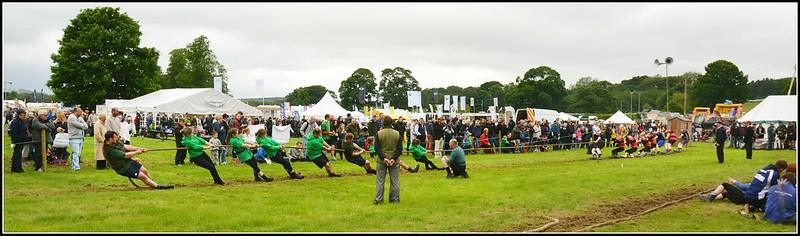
(210, 101)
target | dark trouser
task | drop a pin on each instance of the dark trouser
(254, 164)
(61, 153)
(279, 158)
(459, 170)
(428, 163)
(101, 164)
(632, 150)
(180, 156)
(36, 155)
(770, 143)
(617, 150)
(748, 147)
(734, 194)
(720, 154)
(204, 161)
(16, 159)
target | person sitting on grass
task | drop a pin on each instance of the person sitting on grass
(456, 165)
(242, 150)
(274, 151)
(468, 140)
(419, 153)
(634, 146)
(352, 153)
(505, 146)
(297, 153)
(620, 143)
(753, 193)
(315, 146)
(120, 158)
(781, 206)
(194, 146)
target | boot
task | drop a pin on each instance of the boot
(334, 175)
(165, 186)
(415, 169)
(266, 178)
(296, 175)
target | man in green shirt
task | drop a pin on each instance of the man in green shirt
(419, 153)
(274, 151)
(314, 147)
(194, 146)
(327, 132)
(245, 156)
(388, 145)
(456, 165)
(119, 158)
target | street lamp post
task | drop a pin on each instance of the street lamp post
(667, 62)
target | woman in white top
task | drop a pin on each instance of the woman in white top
(125, 130)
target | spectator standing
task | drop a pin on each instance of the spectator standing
(76, 127)
(18, 131)
(99, 137)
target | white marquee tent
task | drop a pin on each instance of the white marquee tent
(188, 100)
(619, 118)
(326, 105)
(773, 108)
(567, 117)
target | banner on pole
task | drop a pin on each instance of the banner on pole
(455, 103)
(472, 102)
(495, 102)
(463, 103)
(446, 104)
(218, 84)
(414, 98)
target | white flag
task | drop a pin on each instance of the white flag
(472, 102)
(218, 84)
(455, 103)
(495, 102)
(281, 133)
(446, 104)
(463, 103)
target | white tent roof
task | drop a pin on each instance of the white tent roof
(565, 116)
(326, 105)
(774, 108)
(619, 118)
(185, 100)
(359, 116)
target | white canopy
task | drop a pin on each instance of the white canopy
(568, 117)
(188, 100)
(773, 108)
(326, 105)
(359, 116)
(619, 118)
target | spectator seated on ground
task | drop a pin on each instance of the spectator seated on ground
(505, 146)
(753, 193)
(781, 206)
(297, 153)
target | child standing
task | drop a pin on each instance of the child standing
(216, 153)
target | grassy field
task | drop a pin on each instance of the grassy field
(505, 192)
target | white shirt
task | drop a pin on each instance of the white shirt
(125, 131)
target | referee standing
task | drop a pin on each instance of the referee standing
(720, 142)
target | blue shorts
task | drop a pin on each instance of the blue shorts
(660, 143)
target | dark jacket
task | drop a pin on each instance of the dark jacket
(749, 134)
(721, 136)
(18, 131)
(36, 130)
(437, 131)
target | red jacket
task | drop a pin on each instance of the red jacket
(484, 139)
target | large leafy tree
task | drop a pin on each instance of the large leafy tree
(349, 90)
(722, 81)
(308, 95)
(194, 66)
(99, 57)
(540, 87)
(395, 82)
(591, 95)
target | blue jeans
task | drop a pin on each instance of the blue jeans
(77, 147)
(741, 186)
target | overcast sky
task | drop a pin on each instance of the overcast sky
(292, 44)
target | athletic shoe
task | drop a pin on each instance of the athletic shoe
(334, 175)
(708, 197)
(166, 186)
(415, 169)
(376, 202)
(259, 179)
(266, 179)
(295, 175)
(466, 176)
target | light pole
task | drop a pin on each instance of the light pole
(631, 92)
(667, 62)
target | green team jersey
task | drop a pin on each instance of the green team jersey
(238, 147)
(326, 126)
(417, 151)
(269, 145)
(194, 145)
(314, 147)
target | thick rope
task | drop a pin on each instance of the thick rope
(554, 221)
(637, 215)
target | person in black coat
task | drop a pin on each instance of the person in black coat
(749, 138)
(18, 131)
(719, 142)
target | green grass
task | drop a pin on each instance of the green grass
(505, 192)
